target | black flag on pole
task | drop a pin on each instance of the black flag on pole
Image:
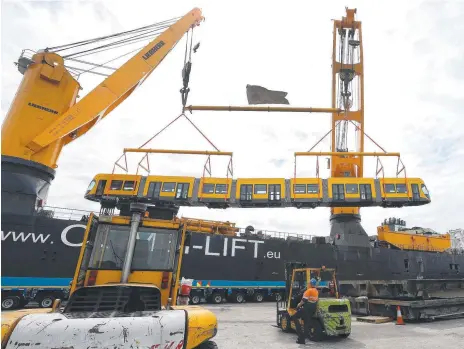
(260, 95)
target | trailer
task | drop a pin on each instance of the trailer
(218, 291)
(17, 292)
(417, 309)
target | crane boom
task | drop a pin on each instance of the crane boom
(347, 93)
(49, 88)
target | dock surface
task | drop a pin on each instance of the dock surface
(252, 326)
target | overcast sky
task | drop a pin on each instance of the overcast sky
(414, 90)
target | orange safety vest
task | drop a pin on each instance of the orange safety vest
(311, 294)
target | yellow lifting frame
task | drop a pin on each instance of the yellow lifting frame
(146, 151)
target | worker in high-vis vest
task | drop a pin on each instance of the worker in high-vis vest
(305, 310)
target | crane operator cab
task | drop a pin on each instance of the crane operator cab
(333, 314)
(124, 292)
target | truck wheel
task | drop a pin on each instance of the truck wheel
(195, 299)
(258, 297)
(239, 297)
(46, 302)
(10, 303)
(345, 335)
(315, 333)
(216, 298)
(207, 345)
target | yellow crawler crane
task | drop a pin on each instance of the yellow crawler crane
(123, 294)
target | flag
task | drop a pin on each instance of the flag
(260, 95)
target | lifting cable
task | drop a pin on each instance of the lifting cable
(104, 63)
(81, 48)
(120, 42)
(184, 96)
(102, 38)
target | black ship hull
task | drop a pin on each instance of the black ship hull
(42, 252)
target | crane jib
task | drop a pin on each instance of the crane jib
(153, 50)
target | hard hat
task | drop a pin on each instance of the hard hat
(313, 282)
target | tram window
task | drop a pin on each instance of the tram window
(299, 188)
(169, 187)
(221, 189)
(208, 188)
(313, 188)
(338, 191)
(351, 188)
(425, 190)
(390, 188)
(401, 188)
(260, 188)
(116, 185)
(129, 185)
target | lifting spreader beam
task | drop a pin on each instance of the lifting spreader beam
(170, 151)
(268, 109)
(342, 153)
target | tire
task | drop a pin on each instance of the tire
(207, 345)
(46, 301)
(258, 297)
(285, 324)
(345, 335)
(195, 299)
(239, 297)
(316, 333)
(216, 298)
(10, 303)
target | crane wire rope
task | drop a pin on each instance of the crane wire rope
(184, 94)
(124, 38)
(123, 41)
(106, 37)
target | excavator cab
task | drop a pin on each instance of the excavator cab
(124, 292)
(333, 314)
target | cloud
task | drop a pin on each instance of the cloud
(278, 162)
(413, 96)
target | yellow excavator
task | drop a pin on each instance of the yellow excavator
(124, 292)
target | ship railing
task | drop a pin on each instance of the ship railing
(269, 234)
(429, 248)
(63, 213)
(420, 247)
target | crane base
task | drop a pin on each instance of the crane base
(346, 230)
(24, 184)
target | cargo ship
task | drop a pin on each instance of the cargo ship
(39, 250)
